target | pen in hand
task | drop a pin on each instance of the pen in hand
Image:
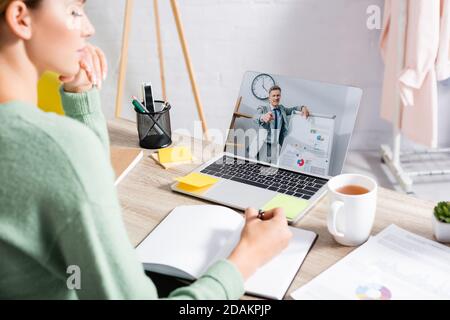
(261, 214)
(266, 215)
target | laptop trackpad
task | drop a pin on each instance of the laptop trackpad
(240, 195)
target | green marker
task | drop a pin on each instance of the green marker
(138, 105)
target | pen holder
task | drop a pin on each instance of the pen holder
(154, 127)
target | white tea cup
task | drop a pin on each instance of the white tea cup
(353, 200)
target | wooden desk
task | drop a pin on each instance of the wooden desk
(146, 199)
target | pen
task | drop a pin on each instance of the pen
(261, 214)
(140, 108)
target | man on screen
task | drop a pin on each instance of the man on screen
(274, 119)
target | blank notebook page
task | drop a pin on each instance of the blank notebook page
(273, 279)
(191, 238)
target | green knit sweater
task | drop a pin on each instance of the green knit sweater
(60, 216)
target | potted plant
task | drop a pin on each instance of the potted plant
(441, 222)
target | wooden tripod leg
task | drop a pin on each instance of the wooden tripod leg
(187, 58)
(160, 49)
(236, 110)
(124, 57)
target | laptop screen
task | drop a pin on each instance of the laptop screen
(298, 124)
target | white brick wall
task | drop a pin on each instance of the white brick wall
(324, 40)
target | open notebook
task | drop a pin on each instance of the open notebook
(123, 160)
(192, 238)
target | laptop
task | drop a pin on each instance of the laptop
(288, 136)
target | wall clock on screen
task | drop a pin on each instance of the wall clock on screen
(261, 85)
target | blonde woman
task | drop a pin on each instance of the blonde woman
(58, 205)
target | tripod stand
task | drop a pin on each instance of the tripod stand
(187, 58)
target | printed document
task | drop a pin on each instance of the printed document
(394, 265)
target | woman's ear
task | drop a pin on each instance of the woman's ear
(18, 19)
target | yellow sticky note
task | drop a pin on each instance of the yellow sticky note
(188, 188)
(175, 154)
(291, 205)
(197, 180)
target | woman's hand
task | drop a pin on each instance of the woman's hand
(93, 71)
(261, 240)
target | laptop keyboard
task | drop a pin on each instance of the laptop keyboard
(262, 176)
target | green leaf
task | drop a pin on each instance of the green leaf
(442, 211)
